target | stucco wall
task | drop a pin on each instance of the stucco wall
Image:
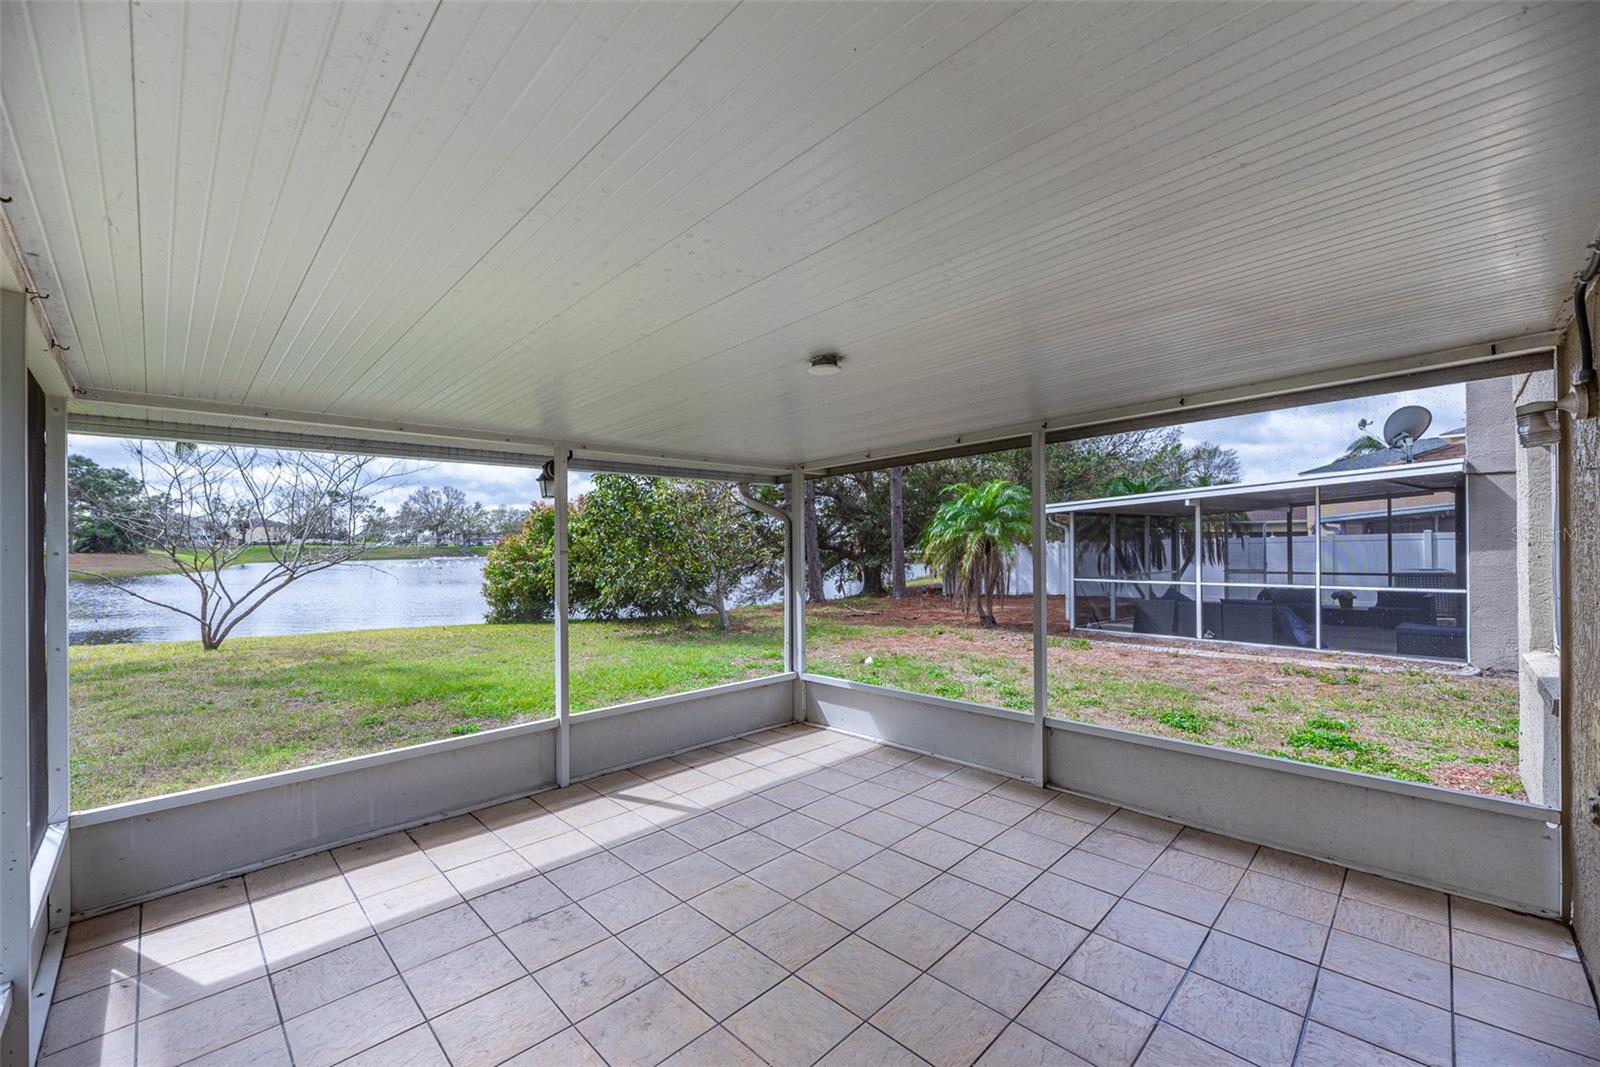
(1539, 672)
(1580, 477)
(1492, 522)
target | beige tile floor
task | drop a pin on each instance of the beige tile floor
(803, 896)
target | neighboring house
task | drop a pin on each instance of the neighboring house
(1446, 553)
(1383, 571)
(1488, 444)
(1452, 444)
(269, 532)
(1511, 559)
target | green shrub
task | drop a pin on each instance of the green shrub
(519, 572)
(638, 547)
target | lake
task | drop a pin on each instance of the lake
(375, 595)
(351, 596)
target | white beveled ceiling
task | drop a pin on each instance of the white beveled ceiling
(632, 224)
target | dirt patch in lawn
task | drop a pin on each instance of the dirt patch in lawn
(1395, 718)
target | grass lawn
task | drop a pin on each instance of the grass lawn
(1414, 724)
(151, 719)
(89, 566)
(156, 718)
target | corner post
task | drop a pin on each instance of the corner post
(1316, 551)
(57, 538)
(794, 601)
(1199, 569)
(1041, 609)
(563, 694)
(16, 853)
(1071, 569)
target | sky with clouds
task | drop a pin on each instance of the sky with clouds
(1281, 444)
(1275, 444)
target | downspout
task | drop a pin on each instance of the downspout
(1582, 399)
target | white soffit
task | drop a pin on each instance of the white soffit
(632, 224)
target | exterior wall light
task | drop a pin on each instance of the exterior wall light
(547, 480)
(1539, 424)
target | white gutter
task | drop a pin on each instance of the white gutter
(1399, 472)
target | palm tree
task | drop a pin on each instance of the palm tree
(1132, 485)
(972, 536)
(1131, 558)
(1364, 442)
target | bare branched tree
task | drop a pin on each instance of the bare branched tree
(206, 506)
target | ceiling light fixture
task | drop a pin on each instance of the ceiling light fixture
(825, 363)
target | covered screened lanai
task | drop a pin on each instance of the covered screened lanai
(615, 237)
(1374, 561)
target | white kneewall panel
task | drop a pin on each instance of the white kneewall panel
(143, 849)
(991, 738)
(1500, 851)
(629, 734)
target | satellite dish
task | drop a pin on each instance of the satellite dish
(1405, 427)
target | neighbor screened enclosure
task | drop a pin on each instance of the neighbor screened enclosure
(1372, 563)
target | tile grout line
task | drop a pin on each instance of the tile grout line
(1189, 968)
(617, 935)
(495, 935)
(266, 971)
(492, 935)
(140, 972)
(1316, 983)
(1450, 953)
(1211, 928)
(1013, 1019)
(541, 872)
(138, 988)
(265, 976)
(1056, 973)
(734, 934)
(866, 1022)
(378, 937)
(357, 898)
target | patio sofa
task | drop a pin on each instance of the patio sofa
(1249, 619)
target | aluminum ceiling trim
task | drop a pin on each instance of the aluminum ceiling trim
(391, 447)
(130, 414)
(1517, 355)
(108, 407)
(1444, 469)
(256, 437)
